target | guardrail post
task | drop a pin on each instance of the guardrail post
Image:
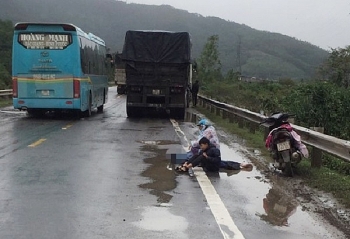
(230, 117)
(218, 111)
(252, 127)
(316, 155)
(212, 108)
(234, 118)
(194, 118)
(240, 123)
(224, 114)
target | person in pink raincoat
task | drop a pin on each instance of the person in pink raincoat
(206, 130)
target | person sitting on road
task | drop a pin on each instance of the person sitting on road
(206, 130)
(209, 157)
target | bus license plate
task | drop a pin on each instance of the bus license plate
(45, 92)
(283, 146)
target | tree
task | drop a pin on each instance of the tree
(337, 67)
(6, 32)
(209, 65)
(5, 78)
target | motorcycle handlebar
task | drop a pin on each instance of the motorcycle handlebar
(275, 117)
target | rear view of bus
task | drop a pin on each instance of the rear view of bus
(58, 67)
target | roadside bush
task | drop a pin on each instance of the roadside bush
(334, 163)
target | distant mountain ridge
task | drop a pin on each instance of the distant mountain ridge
(262, 54)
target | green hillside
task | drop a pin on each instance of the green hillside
(262, 54)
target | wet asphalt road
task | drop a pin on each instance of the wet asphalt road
(107, 177)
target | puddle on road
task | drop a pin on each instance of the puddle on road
(162, 180)
(160, 219)
(268, 199)
(278, 207)
(13, 112)
(190, 117)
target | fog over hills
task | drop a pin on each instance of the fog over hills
(262, 54)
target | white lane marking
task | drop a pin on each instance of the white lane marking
(222, 216)
(227, 226)
(180, 133)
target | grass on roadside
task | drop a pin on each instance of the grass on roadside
(5, 102)
(325, 179)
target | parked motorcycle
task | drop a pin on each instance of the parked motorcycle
(283, 142)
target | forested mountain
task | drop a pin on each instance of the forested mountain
(262, 54)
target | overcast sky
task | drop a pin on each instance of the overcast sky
(324, 23)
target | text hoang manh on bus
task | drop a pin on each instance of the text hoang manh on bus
(45, 41)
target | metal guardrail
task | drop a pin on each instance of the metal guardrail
(320, 142)
(6, 93)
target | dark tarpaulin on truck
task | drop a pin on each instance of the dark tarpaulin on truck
(157, 47)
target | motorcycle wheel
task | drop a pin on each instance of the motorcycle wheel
(288, 170)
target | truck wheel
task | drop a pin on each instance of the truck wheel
(132, 112)
(177, 113)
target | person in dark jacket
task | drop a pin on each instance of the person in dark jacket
(194, 91)
(209, 157)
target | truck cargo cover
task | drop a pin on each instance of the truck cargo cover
(157, 47)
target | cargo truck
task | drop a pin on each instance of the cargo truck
(158, 72)
(119, 74)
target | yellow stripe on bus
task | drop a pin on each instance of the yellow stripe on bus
(36, 143)
(46, 81)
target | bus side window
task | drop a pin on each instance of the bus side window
(82, 60)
